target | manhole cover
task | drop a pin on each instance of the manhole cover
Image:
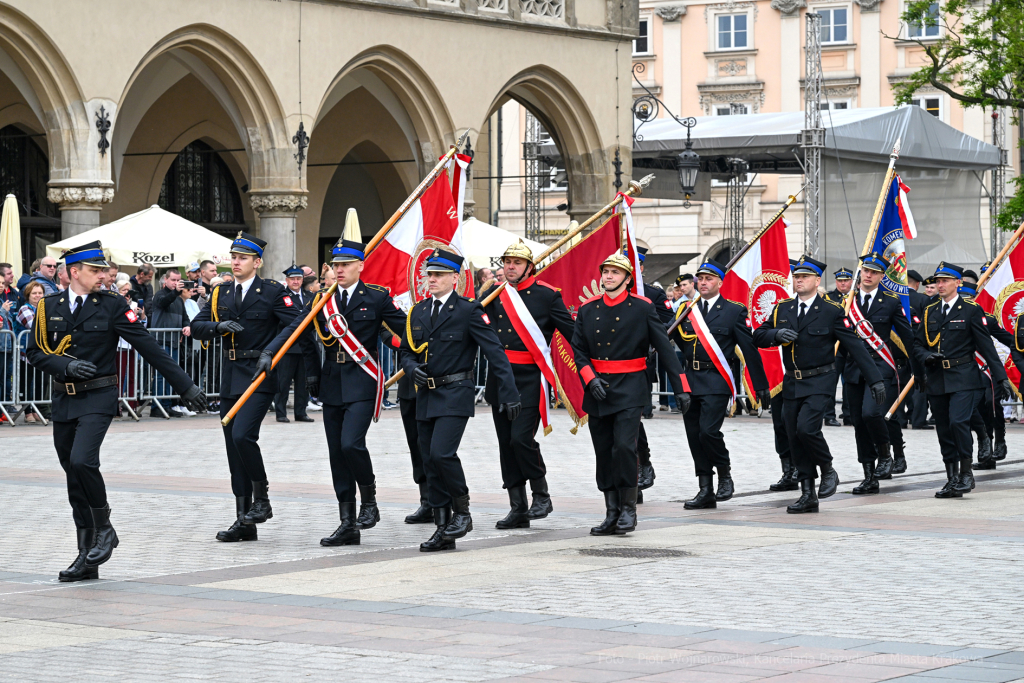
(634, 553)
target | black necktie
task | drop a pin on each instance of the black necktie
(945, 311)
(865, 303)
(800, 316)
(704, 308)
(434, 311)
(78, 307)
(238, 295)
(344, 299)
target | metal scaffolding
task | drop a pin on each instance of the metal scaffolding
(735, 199)
(813, 136)
(531, 188)
(997, 194)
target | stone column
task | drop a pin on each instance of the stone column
(791, 60)
(870, 63)
(278, 213)
(672, 52)
(79, 206)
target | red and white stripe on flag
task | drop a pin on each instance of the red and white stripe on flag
(710, 344)
(906, 217)
(529, 331)
(632, 254)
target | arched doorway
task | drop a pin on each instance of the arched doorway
(24, 173)
(200, 187)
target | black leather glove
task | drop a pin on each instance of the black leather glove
(419, 375)
(598, 388)
(764, 397)
(195, 400)
(264, 364)
(229, 326)
(1004, 390)
(878, 393)
(511, 410)
(786, 335)
(683, 402)
(313, 386)
(934, 360)
(80, 369)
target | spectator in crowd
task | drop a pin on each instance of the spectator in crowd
(227, 277)
(192, 271)
(46, 276)
(327, 276)
(686, 289)
(306, 270)
(499, 275)
(207, 271)
(8, 309)
(26, 276)
(63, 281)
(167, 312)
(125, 366)
(311, 284)
(8, 292)
(33, 380)
(112, 272)
(481, 276)
(142, 283)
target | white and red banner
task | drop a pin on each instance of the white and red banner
(528, 330)
(700, 328)
(433, 221)
(866, 331)
(624, 208)
(758, 281)
(1003, 296)
(355, 350)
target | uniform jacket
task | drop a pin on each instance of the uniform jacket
(302, 300)
(823, 325)
(549, 312)
(621, 330)
(663, 307)
(962, 333)
(103, 318)
(887, 317)
(918, 301)
(728, 324)
(368, 309)
(266, 309)
(462, 327)
(835, 297)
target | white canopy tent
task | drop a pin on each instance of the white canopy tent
(484, 243)
(153, 236)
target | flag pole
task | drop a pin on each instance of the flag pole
(1012, 242)
(685, 312)
(381, 234)
(636, 188)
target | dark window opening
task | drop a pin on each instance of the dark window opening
(24, 172)
(199, 187)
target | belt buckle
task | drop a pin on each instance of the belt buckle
(430, 383)
(945, 364)
(798, 374)
(340, 358)
(231, 354)
(69, 388)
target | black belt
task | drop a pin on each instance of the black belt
(804, 374)
(75, 388)
(435, 382)
(703, 365)
(343, 357)
(953, 362)
(234, 354)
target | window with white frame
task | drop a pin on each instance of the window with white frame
(642, 43)
(932, 105)
(834, 24)
(732, 31)
(928, 26)
(834, 105)
(732, 109)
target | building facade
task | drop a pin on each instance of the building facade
(276, 116)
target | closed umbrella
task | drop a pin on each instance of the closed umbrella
(10, 236)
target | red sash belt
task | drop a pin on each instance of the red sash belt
(520, 357)
(618, 367)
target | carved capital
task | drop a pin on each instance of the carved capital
(80, 196)
(789, 8)
(670, 13)
(277, 203)
(869, 5)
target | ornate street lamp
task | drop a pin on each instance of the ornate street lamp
(688, 163)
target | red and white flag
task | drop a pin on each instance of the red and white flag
(1003, 296)
(710, 344)
(433, 221)
(536, 345)
(760, 280)
(632, 254)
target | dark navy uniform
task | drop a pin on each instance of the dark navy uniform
(611, 340)
(439, 352)
(710, 392)
(951, 333)
(74, 339)
(838, 297)
(257, 317)
(917, 403)
(291, 369)
(349, 394)
(519, 452)
(663, 307)
(809, 360)
(407, 407)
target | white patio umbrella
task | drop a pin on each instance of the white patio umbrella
(483, 242)
(10, 236)
(153, 236)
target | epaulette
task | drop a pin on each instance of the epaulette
(782, 301)
(54, 294)
(110, 292)
(892, 294)
(970, 300)
(544, 284)
(637, 296)
(835, 304)
(377, 287)
(931, 304)
(467, 298)
(272, 282)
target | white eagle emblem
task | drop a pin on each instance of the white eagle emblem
(763, 305)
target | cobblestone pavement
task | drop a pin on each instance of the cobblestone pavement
(899, 586)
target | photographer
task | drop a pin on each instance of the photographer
(167, 313)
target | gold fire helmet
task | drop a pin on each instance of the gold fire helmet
(518, 250)
(619, 261)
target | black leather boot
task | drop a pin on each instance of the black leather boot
(105, 539)
(260, 510)
(952, 480)
(829, 482)
(423, 514)
(239, 531)
(369, 514)
(639, 497)
(518, 517)
(899, 465)
(808, 501)
(787, 482)
(627, 511)
(705, 497)
(870, 483)
(542, 506)
(999, 449)
(441, 517)
(79, 570)
(885, 463)
(645, 478)
(347, 532)
(611, 518)
(725, 486)
(966, 482)
(984, 448)
(461, 523)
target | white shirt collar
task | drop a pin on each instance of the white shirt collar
(711, 302)
(808, 302)
(73, 298)
(350, 289)
(951, 304)
(245, 285)
(443, 299)
(870, 295)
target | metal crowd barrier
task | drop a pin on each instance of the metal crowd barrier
(9, 363)
(200, 361)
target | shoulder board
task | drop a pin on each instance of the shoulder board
(835, 304)
(971, 301)
(544, 284)
(377, 287)
(782, 301)
(272, 282)
(593, 298)
(467, 298)
(54, 294)
(892, 294)
(637, 296)
(934, 303)
(110, 292)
